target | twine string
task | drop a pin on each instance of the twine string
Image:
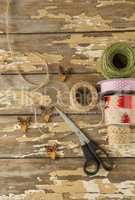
(11, 51)
(45, 82)
(118, 61)
(74, 91)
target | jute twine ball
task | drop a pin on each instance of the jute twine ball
(73, 100)
(119, 134)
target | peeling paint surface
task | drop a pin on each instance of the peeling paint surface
(75, 22)
(33, 195)
(60, 183)
(72, 34)
(102, 3)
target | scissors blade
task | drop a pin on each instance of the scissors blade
(73, 127)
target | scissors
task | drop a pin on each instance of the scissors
(92, 152)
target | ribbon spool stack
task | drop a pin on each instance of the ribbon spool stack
(118, 93)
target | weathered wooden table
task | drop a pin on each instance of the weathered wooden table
(71, 33)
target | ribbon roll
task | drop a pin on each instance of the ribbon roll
(119, 109)
(119, 134)
(114, 86)
(75, 94)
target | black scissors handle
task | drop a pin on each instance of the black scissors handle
(93, 159)
(91, 164)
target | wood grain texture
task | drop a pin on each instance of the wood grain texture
(82, 52)
(33, 144)
(46, 179)
(28, 16)
(22, 97)
(70, 33)
(16, 144)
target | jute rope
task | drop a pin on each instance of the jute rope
(124, 54)
(73, 100)
(75, 105)
(46, 80)
(37, 87)
(36, 121)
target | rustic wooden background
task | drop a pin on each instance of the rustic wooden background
(71, 33)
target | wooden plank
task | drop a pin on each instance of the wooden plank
(42, 134)
(22, 97)
(16, 144)
(82, 52)
(68, 16)
(64, 178)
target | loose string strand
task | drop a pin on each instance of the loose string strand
(45, 82)
(7, 28)
(47, 78)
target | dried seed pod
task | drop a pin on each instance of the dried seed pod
(52, 150)
(46, 113)
(24, 123)
(64, 74)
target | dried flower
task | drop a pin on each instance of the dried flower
(64, 74)
(52, 150)
(24, 123)
(47, 113)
